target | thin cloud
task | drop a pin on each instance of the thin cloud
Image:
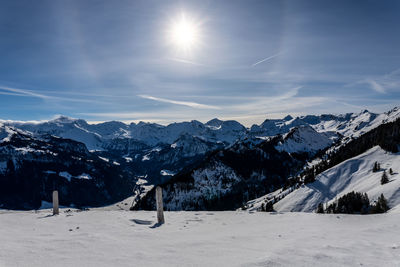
(9, 93)
(183, 103)
(180, 60)
(266, 59)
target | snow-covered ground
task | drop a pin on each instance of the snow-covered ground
(124, 238)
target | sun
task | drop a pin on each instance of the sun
(184, 33)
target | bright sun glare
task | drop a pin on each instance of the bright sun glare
(184, 33)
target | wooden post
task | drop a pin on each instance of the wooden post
(160, 207)
(55, 202)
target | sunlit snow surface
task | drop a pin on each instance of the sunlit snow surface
(126, 238)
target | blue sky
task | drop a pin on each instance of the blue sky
(252, 60)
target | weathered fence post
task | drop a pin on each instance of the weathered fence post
(160, 207)
(55, 202)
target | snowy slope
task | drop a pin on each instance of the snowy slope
(206, 182)
(354, 174)
(121, 238)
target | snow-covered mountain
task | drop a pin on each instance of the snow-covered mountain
(98, 136)
(228, 177)
(117, 136)
(244, 170)
(354, 125)
(350, 125)
(343, 170)
(305, 139)
(104, 135)
(31, 168)
(355, 174)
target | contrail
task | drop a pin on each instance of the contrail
(266, 59)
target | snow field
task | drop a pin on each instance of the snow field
(122, 238)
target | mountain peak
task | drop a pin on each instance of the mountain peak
(63, 119)
(288, 118)
(214, 122)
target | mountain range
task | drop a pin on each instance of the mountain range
(217, 161)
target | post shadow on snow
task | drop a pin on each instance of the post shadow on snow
(67, 213)
(146, 222)
(47, 216)
(141, 222)
(156, 225)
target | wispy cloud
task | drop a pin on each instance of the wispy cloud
(5, 90)
(183, 103)
(381, 84)
(181, 60)
(291, 93)
(376, 86)
(23, 92)
(247, 110)
(266, 59)
(286, 102)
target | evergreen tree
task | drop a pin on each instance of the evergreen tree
(10, 168)
(384, 178)
(353, 202)
(331, 208)
(269, 207)
(382, 201)
(320, 208)
(390, 171)
(376, 167)
(380, 206)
